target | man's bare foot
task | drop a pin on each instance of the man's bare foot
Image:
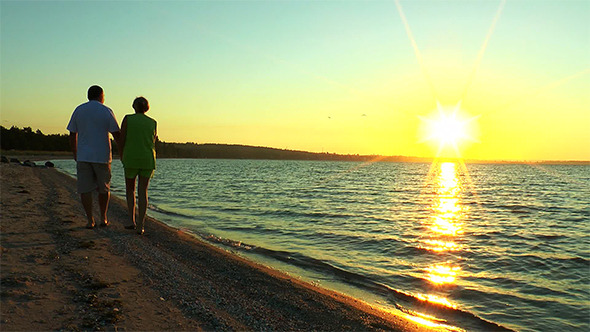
(90, 224)
(104, 223)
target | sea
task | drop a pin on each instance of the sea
(474, 247)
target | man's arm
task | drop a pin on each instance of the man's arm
(117, 137)
(122, 137)
(74, 144)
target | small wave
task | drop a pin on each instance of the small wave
(550, 237)
(519, 209)
(310, 215)
(403, 301)
(167, 212)
(482, 236)
(500, 235)
(230, 209)
(540, 263)
(524, 209)
(579, 260)
(228, 242)
(576, 219)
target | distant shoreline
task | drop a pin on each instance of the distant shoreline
(30, 143)
(263, 153)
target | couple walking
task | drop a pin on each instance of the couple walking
(89, 128)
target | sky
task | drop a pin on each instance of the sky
(351, 77)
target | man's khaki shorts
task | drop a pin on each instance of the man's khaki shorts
(93, 176)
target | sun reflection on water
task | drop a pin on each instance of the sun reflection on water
(442, 273)
(447, 213)
(436, 299)
(444, 227)
(438, 245)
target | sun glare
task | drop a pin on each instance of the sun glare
(448, 129)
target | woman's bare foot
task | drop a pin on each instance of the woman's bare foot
(90, 224)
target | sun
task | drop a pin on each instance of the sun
(448, 129)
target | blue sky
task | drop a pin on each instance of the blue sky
(338, 76)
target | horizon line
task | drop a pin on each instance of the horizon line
(466, 160)
(469, 160)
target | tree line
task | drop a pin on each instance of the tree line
(25, 139)
(28, 140)
(229, 151)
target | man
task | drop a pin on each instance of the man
(89, 128)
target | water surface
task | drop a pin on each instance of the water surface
(445, 243)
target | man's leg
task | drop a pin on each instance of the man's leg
(86, 185)
(103, 203)
(86, 199)
(103, 183)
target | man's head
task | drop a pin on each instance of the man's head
(95, 92)
(141, 105)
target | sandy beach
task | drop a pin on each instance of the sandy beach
(57, 275)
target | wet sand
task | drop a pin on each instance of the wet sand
(57, 275)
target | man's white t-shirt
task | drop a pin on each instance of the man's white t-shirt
(93, 122)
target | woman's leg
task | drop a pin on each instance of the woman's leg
(142, 196)
(130, 194)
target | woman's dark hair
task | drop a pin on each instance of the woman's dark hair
(94, 92)
(141, 105)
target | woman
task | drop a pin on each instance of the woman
(138, 154)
